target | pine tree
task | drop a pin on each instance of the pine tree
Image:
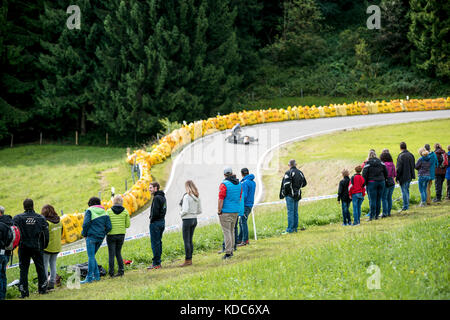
(299, 42)
(19, 44)
(429, 34)
(69, 61)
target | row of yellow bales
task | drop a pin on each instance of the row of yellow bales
(138, 195)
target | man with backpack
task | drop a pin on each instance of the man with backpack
(5, 239)
(440, 170)
(291, 184)
(34, 237)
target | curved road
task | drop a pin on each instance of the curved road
(204, 160)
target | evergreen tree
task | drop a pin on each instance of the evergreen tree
(430, 37)
(69, 61)
(19, 47)
(300, 41)
(392, 40)
(174, 59)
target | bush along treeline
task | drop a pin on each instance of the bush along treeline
(132, 63)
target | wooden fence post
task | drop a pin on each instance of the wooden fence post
(76, 137)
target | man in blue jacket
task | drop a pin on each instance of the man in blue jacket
(96, 225)
(248, 192)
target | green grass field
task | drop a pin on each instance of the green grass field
(322, 159)
(64, 176)
(327, 261)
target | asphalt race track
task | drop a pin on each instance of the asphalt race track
(204, 160)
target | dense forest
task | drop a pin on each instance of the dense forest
(132, 63)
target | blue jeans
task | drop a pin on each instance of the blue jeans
(156, 233)
(375, 189)
(387, 200)
(423, 184)
(92, 246)
(346, 212)
(292, 214)
(3, 262)
(404, 186)
(243, 226)
(357, 200)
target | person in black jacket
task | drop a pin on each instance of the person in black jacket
(5, 239)
(291, 184)
(157, 223)
(34, 237)
(344, 197)
(375, 175)
(405, 173)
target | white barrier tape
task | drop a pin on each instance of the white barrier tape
(178, 226)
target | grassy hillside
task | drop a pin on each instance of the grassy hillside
(64, 176)
(324, 262)
(323, 160)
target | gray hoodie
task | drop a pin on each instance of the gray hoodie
(191, 207)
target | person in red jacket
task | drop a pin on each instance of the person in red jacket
(357, 191)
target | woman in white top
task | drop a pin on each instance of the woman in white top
(190, 208)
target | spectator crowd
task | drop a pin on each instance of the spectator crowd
(38, 236)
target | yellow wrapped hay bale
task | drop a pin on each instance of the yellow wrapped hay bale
(314, 112)
(372, 107)
(341, 110)
(284, 114)
(70, 230)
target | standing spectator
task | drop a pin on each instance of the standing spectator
(441, 168)
(362, 167)
(230, 193)
(55, 230)
(34, 238)
(423, 166)
(191, 207)
(386, 198)
(120, 221)
(434, 163)
(248, 192)
(96, 225)
(157, 223)
(5, 238)
(356, 192)
(447, 174)
(375, 175)
(236, 233)
(291, 184)
(405, 173)
(344, 197)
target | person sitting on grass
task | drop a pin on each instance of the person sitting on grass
(357, 191)
(96, 225)
(423, 166)
(344, 198)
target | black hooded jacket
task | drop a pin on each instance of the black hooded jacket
(5, 237)
(159, 207)
(33, 230)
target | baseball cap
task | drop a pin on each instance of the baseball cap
(227, 170)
